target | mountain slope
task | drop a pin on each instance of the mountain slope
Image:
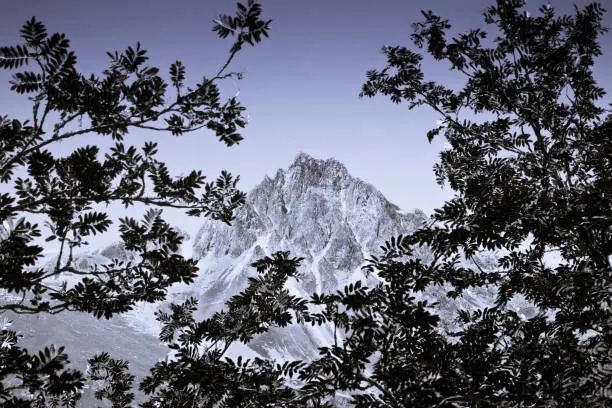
(316, 210)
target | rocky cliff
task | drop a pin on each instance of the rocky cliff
(316, 210)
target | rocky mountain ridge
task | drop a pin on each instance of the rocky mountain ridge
(316, 210)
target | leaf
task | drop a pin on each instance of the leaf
(26, 82)
(34, 32)
(92, 223)
(177, 74)
(13, 57)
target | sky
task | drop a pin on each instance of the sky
(300, 86)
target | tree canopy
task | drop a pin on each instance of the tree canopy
(529, 157)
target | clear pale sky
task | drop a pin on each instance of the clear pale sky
(300, 87)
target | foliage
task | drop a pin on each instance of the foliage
(48, 198)
(36, 379)
(200, 374)
(528, 158)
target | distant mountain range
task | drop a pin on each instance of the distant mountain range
(316, 210)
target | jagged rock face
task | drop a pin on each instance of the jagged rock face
(316, 210)
(313, 208)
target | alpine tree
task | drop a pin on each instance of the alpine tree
(50, 198)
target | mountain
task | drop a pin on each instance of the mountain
(316, 210)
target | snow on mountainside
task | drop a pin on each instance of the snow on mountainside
(316, 210)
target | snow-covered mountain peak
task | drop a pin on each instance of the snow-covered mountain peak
(316, 210)
(305, 208)
(309, 171)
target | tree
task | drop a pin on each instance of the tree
(201, 375)
(529, 162)
(68, 193)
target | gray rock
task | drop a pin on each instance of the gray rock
(316, 210)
